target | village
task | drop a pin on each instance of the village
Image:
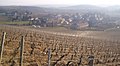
(67, 20)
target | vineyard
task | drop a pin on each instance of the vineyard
(42, 48)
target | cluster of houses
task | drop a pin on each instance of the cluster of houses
(74, 21)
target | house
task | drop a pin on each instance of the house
(39, 21)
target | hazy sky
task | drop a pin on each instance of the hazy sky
(65, 2)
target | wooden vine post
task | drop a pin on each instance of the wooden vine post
(2, 46)
(49, 56)
(21, 51)
(91, 59)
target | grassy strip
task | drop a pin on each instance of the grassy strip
(15, 23)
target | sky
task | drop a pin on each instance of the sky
(60, 2)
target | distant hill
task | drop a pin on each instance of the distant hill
(34, 9)
(62, 9)
(85, 7)
(114, 7)
(53, 6)
(113, 10)
(23, 8)
(45, 9)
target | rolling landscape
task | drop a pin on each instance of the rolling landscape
(81, 35)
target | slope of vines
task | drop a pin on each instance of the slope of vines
(65, 50)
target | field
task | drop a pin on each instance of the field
(14, 23)
(68, 48)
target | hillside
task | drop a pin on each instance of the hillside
(65, 49)
(24, 8)
(88, 13)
